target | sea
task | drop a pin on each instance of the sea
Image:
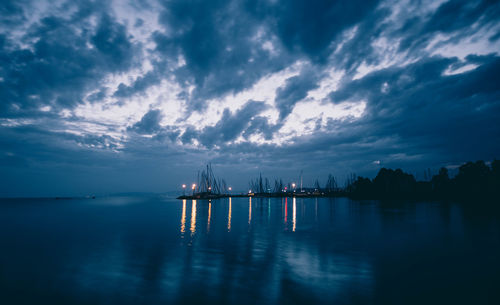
(160, 250)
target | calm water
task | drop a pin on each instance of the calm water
(122, 250)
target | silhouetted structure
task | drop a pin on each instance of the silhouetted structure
(208, 186)
(475, 180)
(262, 187)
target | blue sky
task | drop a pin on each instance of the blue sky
(111, 96)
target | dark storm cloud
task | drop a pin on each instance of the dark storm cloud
(224, 54)
(452, 115)
(360, 49)
(221, 45)
(231, 125)
(150, 122)
(67, 59)
(311, 26)
(223, 41)
(112, 41)
(415, 115)
(142, 83)
(189, 135)
(170, 133)
(455, 18)
(455, 15)
(261, 125)
(11, 12)
(294, 90)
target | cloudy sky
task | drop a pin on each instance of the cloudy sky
(109, 96)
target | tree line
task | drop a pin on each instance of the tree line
(474, 180)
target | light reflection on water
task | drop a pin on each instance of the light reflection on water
(193, 217)
(229, 217)
(294, 213)
(183, 217)
(249, 210)
(245, 251)
(209, 214)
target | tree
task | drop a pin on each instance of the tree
(441, 184)
(472, 179)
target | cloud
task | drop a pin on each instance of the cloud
(93, 87)
(140, 84)
(150, 122)
(112, 41)
(223, 46)
(295, 89)
(12, 13)
(261, 125)
(59, 59)
(432, 111)
(455, 18)
(312, 26)
(231, 125)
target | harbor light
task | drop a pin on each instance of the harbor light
(184, 189)
(229, 188)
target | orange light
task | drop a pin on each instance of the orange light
(193, 217)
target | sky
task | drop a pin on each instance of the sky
(98, 97)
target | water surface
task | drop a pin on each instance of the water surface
(154, 250)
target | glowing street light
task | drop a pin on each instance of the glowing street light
(193, 187)
(184, 189)
(229, 188)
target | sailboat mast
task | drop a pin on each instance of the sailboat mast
(301, 171)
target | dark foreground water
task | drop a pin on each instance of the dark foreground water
(262, 251)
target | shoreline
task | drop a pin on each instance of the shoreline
(257, 195)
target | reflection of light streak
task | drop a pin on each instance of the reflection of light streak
(249, 210)
(229, 216)
(193, 217)
(183, 217)
(294, 220)
(269, 210)
(286, 209)
(209, 212)
(316, 210)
